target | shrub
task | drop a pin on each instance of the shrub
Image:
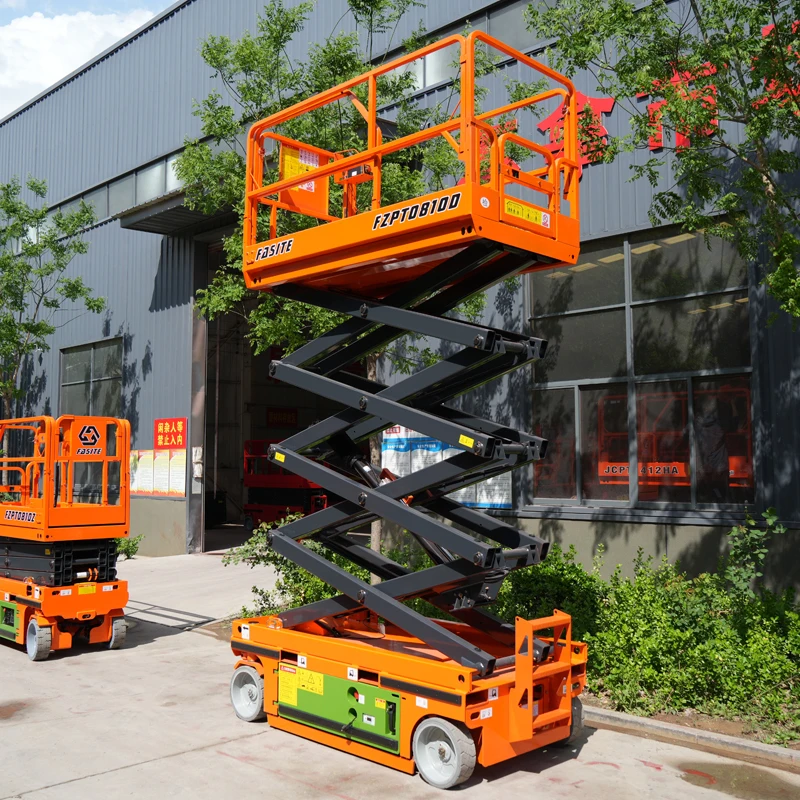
(129, 546)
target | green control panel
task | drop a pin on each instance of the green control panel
(350, 708)
(9, 620)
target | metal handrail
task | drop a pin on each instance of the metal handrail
(469, 125)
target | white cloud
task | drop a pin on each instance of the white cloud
(36, 50)
(12, 3)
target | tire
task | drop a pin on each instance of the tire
(38, 641)
(576, 723)
(249, 525)
(444, 752)
(247, 694)
(119, 630)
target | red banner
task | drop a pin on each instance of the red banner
(169, 433)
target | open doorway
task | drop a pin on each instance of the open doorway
(244, 410)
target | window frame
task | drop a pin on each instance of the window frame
(580, 507)
(92, 347)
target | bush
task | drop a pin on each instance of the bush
(129, 546)
(658, 641)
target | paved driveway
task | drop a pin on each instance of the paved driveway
(153, 721)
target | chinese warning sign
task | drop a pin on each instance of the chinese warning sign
(169, 433)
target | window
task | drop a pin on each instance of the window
(509, 26)
(554, 415)
(709, 332)
(91, 379)
(647, 374)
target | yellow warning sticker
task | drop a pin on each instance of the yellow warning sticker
(87, 589)
(287, 685)
(309, 681)
(280, 457)
(296, 162)
(380, 702)
(466, 441)
(528, 213)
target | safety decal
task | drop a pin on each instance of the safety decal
(529, 214)
(416, 210)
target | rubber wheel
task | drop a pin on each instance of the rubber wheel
(444, 752)
(576, 723)
(249, 525)
(119, 630)
(247, 694)
(38, 641)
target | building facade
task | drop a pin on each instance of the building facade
(670, 403)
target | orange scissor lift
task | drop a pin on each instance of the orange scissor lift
(64, 498)
(363, 671)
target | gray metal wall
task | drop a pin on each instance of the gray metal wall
(147, 283)
(135, 106)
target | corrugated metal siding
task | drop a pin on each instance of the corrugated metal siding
(147, 283)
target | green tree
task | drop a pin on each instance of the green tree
(723, 81)
(36, 248)
(260, 78)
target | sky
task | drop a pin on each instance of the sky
(41, 41)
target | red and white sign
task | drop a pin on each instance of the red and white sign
(169, 433)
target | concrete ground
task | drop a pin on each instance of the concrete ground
(153, 720)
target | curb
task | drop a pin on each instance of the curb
(720, 744)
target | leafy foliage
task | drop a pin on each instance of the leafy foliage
(129, 546)
(36, 248)
(723, 82)
(659, 641)
(260, 79)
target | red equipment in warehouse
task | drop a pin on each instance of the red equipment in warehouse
(272, 492)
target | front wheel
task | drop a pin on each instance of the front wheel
(444, 752)
(119, 630)
(247, 694)
(38, 641)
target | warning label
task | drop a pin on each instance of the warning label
(296, 162)
(528, 213)
(290, 679)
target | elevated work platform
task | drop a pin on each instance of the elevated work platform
(372, 250)
(64, 479)
(365, 671)
(64, 498)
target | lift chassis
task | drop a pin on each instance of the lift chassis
(64, 500)
(364, 671)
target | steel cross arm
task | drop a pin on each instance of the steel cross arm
(379, 503)
(381, 407)
(488, 526)
(443, 373)
(405, 588)
(441, 577)
(462, 263)
(446, 300)
(350, 514)
(433, 635)
(344, 516)
(403, 319)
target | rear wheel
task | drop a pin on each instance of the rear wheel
(38, 641)
(444, 752)
(119, 630)
(247, 694)
(576, 724)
